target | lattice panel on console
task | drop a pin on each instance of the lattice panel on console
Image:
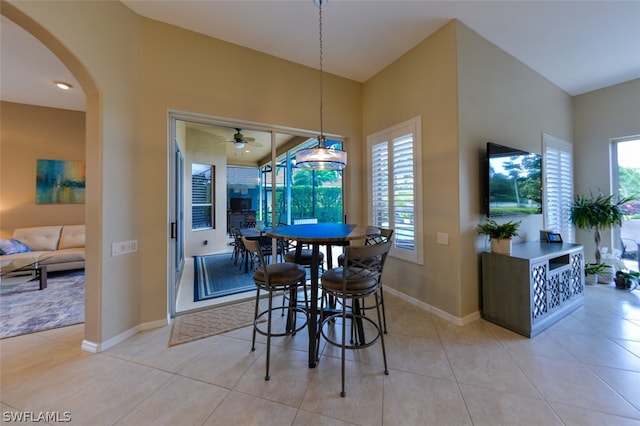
(566, 287)
(539, 290)
(577, 286)
(554, 290)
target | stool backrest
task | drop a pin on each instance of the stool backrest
(365, 262)
(384, 236)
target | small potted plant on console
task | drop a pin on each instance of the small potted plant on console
(500, 234)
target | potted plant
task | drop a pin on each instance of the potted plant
(598, 213)
(592, 270)
(627, 280)
(500, 234)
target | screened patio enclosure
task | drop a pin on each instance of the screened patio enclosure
(301, 195)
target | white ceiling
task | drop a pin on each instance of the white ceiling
(578, 45)
(28, 70)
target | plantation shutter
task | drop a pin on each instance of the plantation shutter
(558, 186)
(380, 184)
(393, 200)
(403, 191)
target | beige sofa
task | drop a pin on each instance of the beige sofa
(60, 248)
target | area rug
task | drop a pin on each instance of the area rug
(25, 309)
(217, 276)
(216, 320)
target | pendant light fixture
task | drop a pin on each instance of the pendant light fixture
(321, 158)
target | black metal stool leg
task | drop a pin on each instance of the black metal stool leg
(255, 318)
(384, 352)
(344, 345)
(266, 377)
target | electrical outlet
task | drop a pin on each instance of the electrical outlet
(442, 238)
(124, 247)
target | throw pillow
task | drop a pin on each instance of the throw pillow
(12, 246)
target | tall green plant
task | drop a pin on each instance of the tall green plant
(598, 213)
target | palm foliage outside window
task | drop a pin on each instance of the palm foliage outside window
(302, 194)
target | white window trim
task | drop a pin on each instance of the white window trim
(553, 142)
(413, 126)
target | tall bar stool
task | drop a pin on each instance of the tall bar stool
(359, 278)
(276, 278)
(305, 256)
(385, 235)
(304, 260)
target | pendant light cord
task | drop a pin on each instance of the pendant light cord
(321, 141)
(321, 158)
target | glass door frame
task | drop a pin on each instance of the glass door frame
(615, 185)
(175, 198)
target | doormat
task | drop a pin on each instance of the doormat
(217, 320)
(217, 276)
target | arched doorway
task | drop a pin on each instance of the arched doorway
(92, 140)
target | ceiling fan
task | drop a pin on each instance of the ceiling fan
(239, 140)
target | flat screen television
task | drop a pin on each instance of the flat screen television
(513, 181)
(239, 204)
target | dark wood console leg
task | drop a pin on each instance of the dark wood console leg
(42, 276)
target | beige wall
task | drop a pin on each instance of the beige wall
(29, 133)
(423, 82)
(257, 88)
(100, 44)
(468, 92)
(502, 101)
(109, 48)
(600, 116)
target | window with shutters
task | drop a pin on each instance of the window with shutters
(558, 193)
(395, 200)
(202, 197)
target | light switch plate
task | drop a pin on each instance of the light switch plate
(124, 247)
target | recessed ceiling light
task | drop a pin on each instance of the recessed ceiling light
(62, 85)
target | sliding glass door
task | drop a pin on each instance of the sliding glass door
(253, 181)
(626, 176)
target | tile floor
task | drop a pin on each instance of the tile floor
(584, 370)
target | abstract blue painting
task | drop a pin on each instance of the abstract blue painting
(60, 182)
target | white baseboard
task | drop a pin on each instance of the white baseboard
(95, 348)
(433, 310)
(88, 346)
